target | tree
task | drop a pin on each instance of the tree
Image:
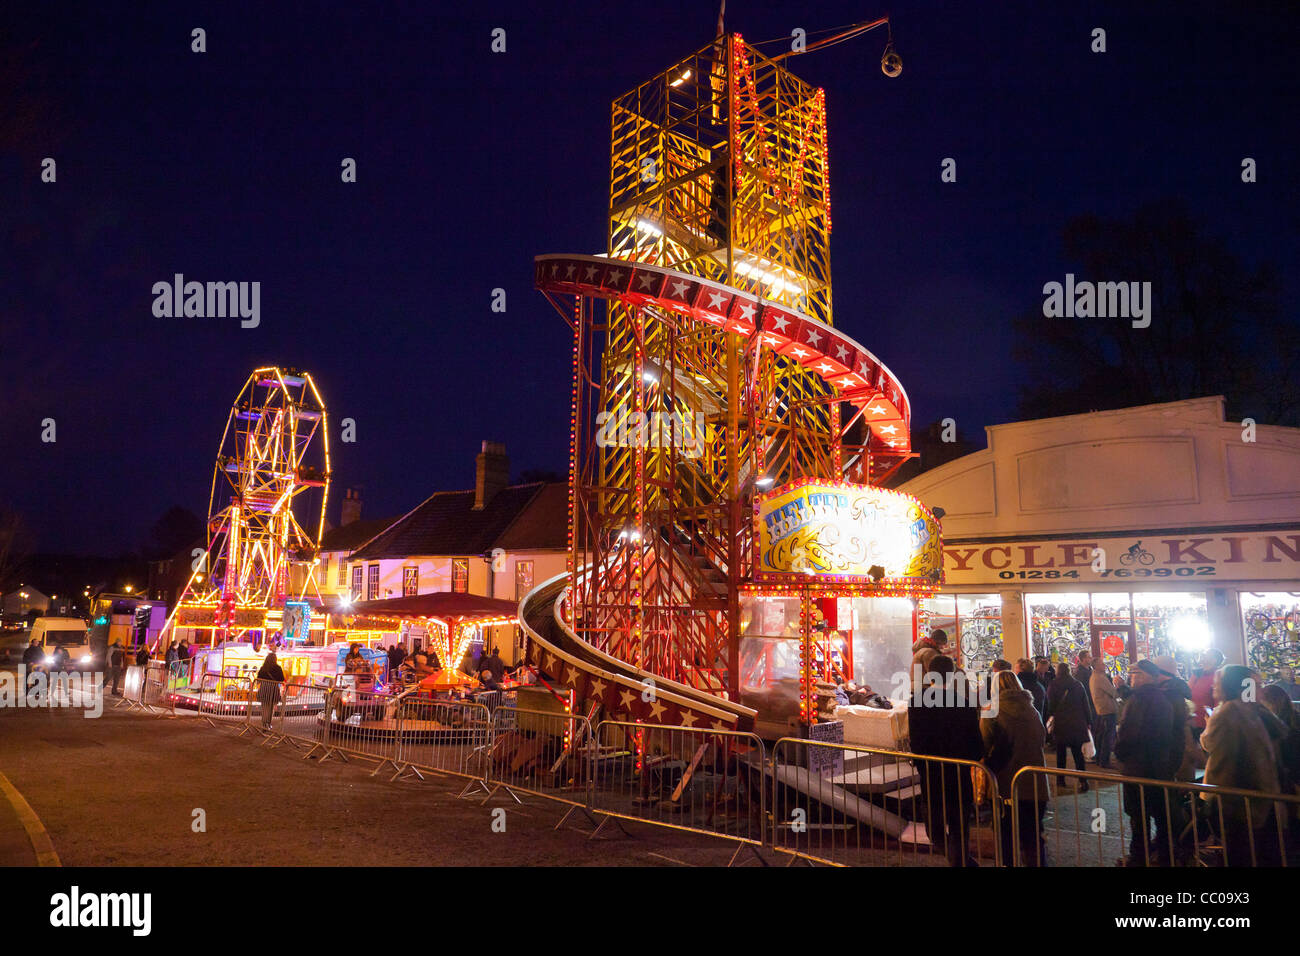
(13, 544)
(1216, 326)
(177, 529)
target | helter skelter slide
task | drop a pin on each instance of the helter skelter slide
(727, 441)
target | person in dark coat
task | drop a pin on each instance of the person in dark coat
(1083, 674)
(1013, 738)
(142, 656)
(116, 664)
(1150, 743)
(945, 722)
(270, 677)
(1029, 682)
(33, 658)
(183, 650)
(1071, 718)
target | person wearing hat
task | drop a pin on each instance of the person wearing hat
(1150, 743)
(1170, 677)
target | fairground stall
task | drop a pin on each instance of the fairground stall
(838, 575)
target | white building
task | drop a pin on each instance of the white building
(1139, 531)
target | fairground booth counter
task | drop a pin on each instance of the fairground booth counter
(838, 576)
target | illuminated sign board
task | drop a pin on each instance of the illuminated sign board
(839, 532)
(297, 621)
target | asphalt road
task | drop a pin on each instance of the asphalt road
(122, 790)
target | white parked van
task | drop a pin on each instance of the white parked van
(69, 633)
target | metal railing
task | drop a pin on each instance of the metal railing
(850, 805)
(442, 737)
(541, 753)
(1138, 821)
(687, 778)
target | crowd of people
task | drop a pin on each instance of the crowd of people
(1223, 728)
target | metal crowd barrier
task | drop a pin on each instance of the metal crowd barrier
(1138, 821)
(540, 753)
(686, 778)
(850, 805)
(443, 737)
(357, 723)
(224, 700)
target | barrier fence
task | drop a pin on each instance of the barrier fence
(866, 806)
(1137, 821)
(705, 781)
(443, 737)
(542, 753)
(815, 801)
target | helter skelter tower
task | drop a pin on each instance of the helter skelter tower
(706, 365)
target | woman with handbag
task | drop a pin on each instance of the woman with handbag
(1068, 720)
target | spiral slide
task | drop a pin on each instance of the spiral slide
(619, 686)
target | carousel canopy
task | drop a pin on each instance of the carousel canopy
(443, 605)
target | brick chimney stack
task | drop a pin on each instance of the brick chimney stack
(351, 506)
(492, 473)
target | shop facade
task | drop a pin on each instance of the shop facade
(1133, 533)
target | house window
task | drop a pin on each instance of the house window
(460, 575)
(410, 582)
(343, 572)
(523, 579)
(356, 582)
(372, 583)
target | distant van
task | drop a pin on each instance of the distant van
(70, 633)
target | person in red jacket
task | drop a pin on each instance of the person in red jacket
(1203, 689)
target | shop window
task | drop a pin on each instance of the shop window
(973, 623)
(1271, 623)
(372, 583)
(410, 582)
(1060, 625)
(460, 575)
(1173, 623)
(356, 582)
(523, 579)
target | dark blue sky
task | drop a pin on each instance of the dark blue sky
(225, 166)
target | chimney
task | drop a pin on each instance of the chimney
(492, 473)
(351, 506)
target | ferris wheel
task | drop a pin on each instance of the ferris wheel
(266, 510)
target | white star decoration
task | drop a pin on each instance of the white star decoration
(846, 382)
(570, 270)
(645, 280)
(656, 709)
(615, 275)
(597, 687)
(888, 429)
(680, 287)
(626, 697)
(877, 410)
(571, 675)
(715, 300)
(778, 322)
(823, 368)
(591, 272)
(814, 336)
(747, 311)
(800, 353)
(842, 351)
(689, 717)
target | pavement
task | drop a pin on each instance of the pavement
(128, 789)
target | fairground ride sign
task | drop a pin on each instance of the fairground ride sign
(835, 532)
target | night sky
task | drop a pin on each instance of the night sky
(225, 166)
